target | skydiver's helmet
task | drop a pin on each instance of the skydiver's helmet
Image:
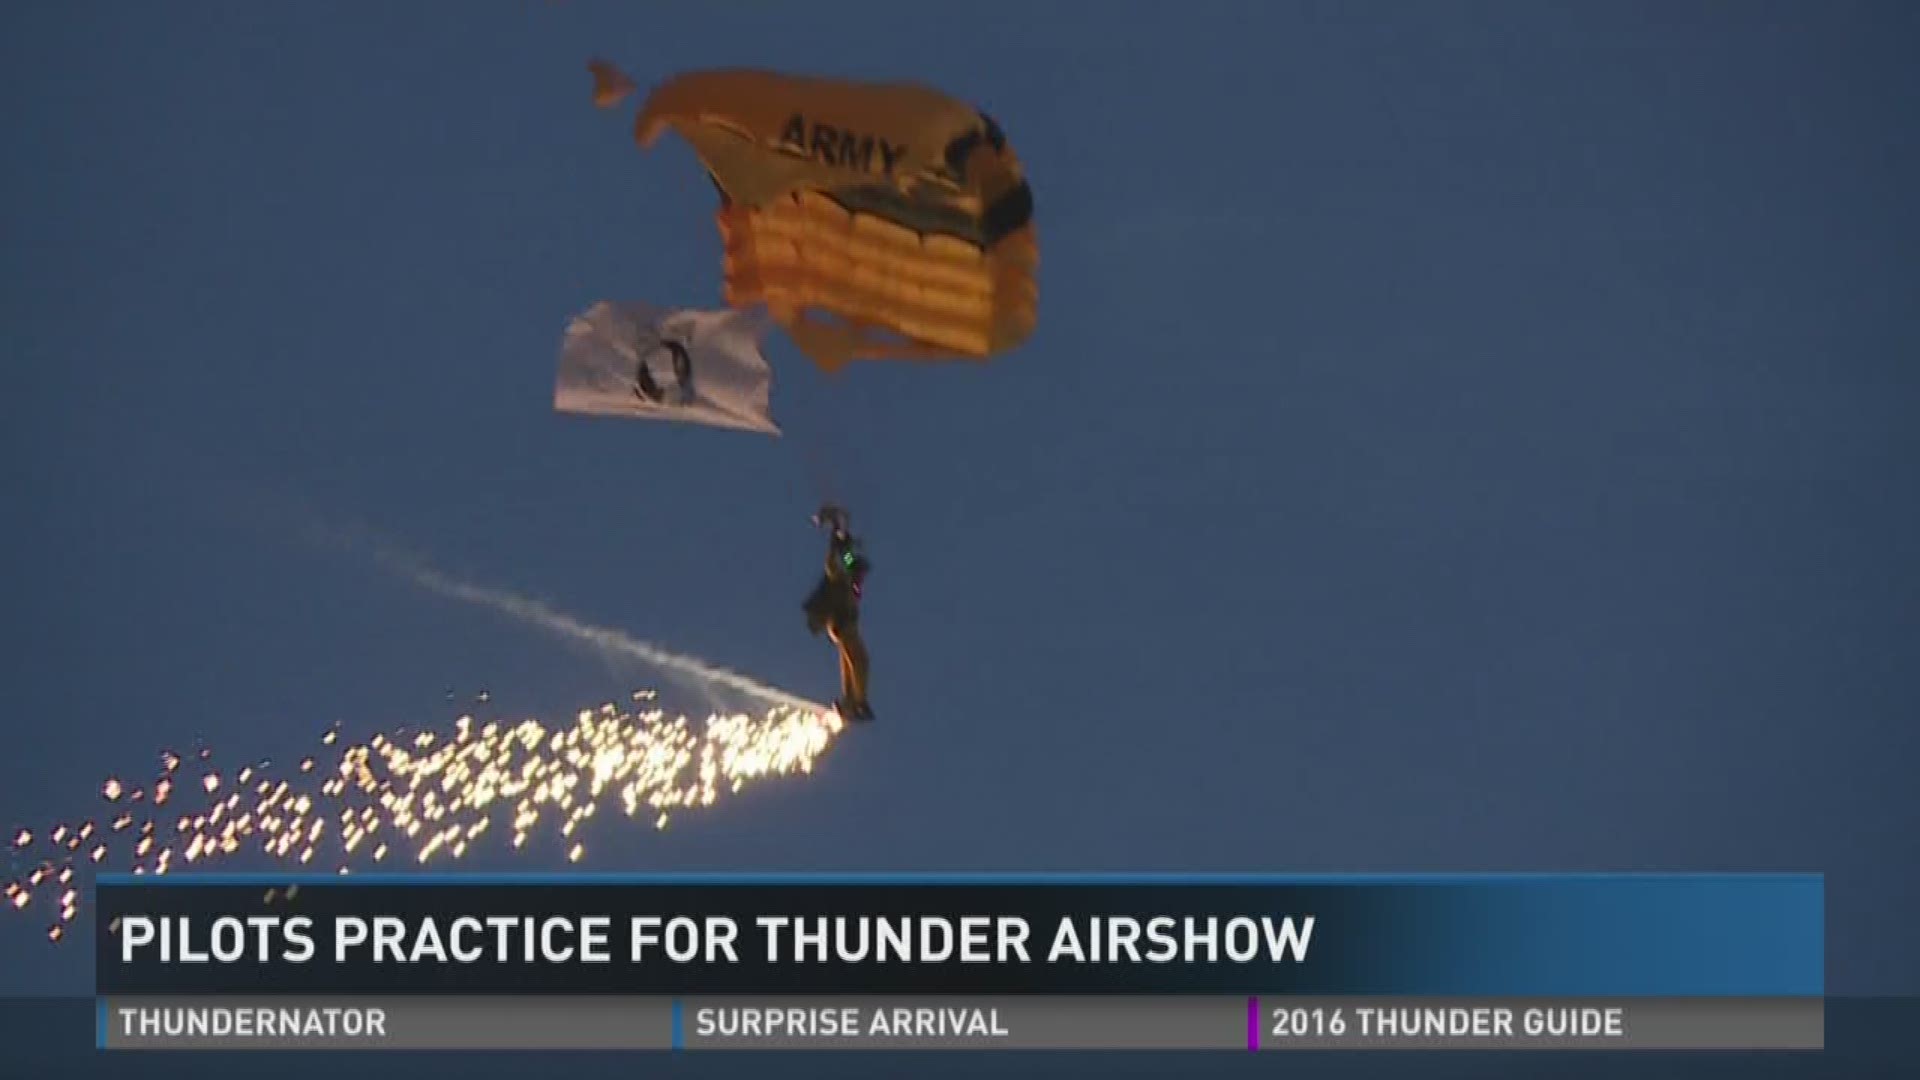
(832, 517)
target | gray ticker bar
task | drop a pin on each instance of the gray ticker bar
(965, 1023)
(386, 1023)
(1413, 1023)
(959, 1023)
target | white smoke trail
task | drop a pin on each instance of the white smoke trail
(608, 642)
(616, 642)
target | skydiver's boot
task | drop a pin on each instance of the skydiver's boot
(852, 710)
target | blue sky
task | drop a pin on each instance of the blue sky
(1458, 436)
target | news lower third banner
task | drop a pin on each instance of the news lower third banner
(962, 961)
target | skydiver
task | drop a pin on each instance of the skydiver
(834, 606)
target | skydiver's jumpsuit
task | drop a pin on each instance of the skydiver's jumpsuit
(835, 605)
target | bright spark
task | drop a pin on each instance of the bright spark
(434, 797)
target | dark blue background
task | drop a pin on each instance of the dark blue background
(1524, 392)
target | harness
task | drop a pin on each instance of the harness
(853, 565)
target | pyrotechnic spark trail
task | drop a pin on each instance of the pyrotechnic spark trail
(428, 797)
(431, 796)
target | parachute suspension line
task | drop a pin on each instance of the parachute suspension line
(819, 473)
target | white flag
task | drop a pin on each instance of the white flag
(637, 360)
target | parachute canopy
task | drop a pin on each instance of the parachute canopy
(872, 220)
(636, 360)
